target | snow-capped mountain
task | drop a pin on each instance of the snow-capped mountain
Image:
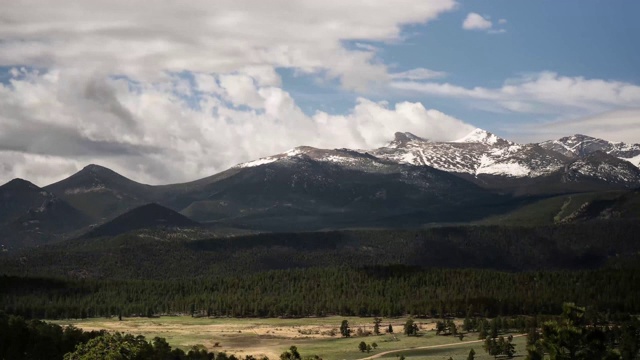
(483, 137)
(478, 153)
(581, 145)
(320, 187)
(602, 167)
(411, 181)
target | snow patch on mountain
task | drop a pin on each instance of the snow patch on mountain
(269, 159)
(481, 136)
(83, 190)
(582, 145)
(634, 160)
(511, 169)
(261, 161)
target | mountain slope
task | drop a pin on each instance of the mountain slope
(19, 196)
(316, 188)
(30, 215)
(148, 216)
(479, 153)
(571, 164)
(582, 207)
(604, 169)
(101, 193)
(578, 145)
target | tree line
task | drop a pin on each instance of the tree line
(373, 291)
(22, 339)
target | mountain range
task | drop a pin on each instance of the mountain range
(410, 182)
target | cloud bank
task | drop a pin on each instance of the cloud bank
(541, 93)
(56, 122)
(186, 89)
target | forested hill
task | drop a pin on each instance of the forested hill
(161, 254)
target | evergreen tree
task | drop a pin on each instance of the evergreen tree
(292, 354)
(472, 355)
(482, 330)
(410, 327)
(345, 331)
(466, 325)
(376, 325)
(493, 332)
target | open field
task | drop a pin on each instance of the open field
(312, 336)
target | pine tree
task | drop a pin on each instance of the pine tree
(345, 331)
(376, 325)
(472, 355)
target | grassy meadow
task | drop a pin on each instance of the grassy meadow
(312, 336)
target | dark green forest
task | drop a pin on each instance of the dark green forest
(492, 270)
(471, 272)
(369, 291)
(163, 254)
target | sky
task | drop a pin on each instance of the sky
(172, 91)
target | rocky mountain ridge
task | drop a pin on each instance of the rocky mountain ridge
(411, 181)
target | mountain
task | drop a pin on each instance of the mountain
(30, 215)
(309, 188)
(604, 169)
(479, 136)
(19, 196)
(576, 146)
(149, 216)
(477, 154)
(410, 182)
(501, 165)
(101, 193)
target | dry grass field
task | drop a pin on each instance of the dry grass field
(312, 336)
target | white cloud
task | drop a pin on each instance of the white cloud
(618, 125)
(418, 74)
(225, 36)
(475, 21)
(502, 21)
(54, 123)
(540, 93)
(180, 90)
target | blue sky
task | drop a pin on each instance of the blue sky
(574, 38)
(186, 89)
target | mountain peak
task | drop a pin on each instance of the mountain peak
(96, 169)
(18, 183)
(481, 136)
(406, 136)
(143, 217)
(401, 139)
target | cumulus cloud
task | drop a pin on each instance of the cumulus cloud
(181, 90)
(143, 42)
(54, 123)
(475, 21)
(540, 93)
